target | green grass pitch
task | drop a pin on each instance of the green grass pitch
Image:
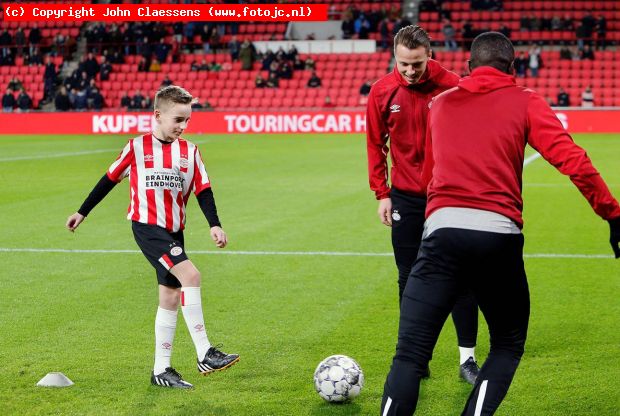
(90, 315)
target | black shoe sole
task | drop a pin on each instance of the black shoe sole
(230, 364)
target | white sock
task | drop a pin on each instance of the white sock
(191, 306)
(165, 326)
(466, 353)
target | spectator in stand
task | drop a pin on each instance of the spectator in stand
(34, 38)
(504, 30)
(292, 53)
(285, 71)
(587, 52)
(348, 25)
(556, 23)
(24, 102)
(165, 82)
(8, 59)
(563, 98)
(50, 75)
(155, 66)
(298, 64)
(81, 100)
(105, 69)
(273, 81)
(521, 64)
(314, 81)
(126, 101)
(534, 60)
(362, 26)
(468, 33)
(535, 23)
(15, 84)
(525, 23)
(384, 32)
(601, 31)
(136, 101)
(565, 53)
(260, 82)
(61, 102)
(143, 65)
(449, 34)
(310, 64)
(91, 66)
(567, 23)
(8, 101)
(20, 41)
(234, 47)
(83, 81)
(215, 67)
(35, 58)
(146, 103)
(365, 88)
(247, 55)
(6, 40)
(328, 103)
(587, 97)
(215, 40)
(161, 50)
(194, 66)
(95, 99)
(582, 36)
(274, 68)
(589, 22)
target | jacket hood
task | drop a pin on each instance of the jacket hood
(485, 78)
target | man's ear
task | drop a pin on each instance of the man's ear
(511, 68)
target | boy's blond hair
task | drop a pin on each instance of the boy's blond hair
(172, 94)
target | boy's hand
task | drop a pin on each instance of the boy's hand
(219, 236)
(74, 221)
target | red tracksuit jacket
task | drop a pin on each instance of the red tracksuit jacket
(476, 137)
(398, 111)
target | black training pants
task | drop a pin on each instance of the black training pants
(407, 227)
(451, 260)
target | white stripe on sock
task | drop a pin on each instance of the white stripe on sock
(388, 403)
(481, 393)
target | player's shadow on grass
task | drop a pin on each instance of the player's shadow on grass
(324, 408)
(193, 404)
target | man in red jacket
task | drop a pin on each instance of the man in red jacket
(397, 111)
(477, 133)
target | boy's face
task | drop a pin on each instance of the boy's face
(173, 119)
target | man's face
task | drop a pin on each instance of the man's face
(173, 120)
(411, 63)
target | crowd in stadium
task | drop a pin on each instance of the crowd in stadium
(63, 85)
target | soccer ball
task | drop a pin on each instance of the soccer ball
(338, 378)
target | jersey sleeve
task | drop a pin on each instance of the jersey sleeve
(552, 141)
(122, 165)
(201, 178)
(376, 147)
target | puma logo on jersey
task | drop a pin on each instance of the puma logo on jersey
(395, 108)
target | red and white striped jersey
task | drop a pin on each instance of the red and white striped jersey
(161, 177)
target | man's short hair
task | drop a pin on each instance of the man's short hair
(172, 94)
(412, 37)
(492, 49)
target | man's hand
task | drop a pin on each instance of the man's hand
(385, 211)
(614, 235)
(74, 221)
(219, 236)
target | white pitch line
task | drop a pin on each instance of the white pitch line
(531, 158)
(54, 155)
(283, 253)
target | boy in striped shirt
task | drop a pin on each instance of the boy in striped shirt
(163, 169)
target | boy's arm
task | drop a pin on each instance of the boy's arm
(207, 204)
(117, 171)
